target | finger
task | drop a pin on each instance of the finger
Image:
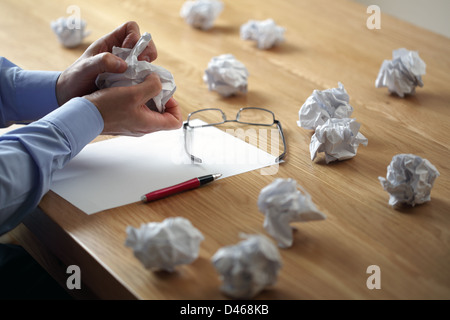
(104, 62)
(171, 103)
(165, 121)
(125, 36)
(173, 108)
(116, 38)
(150, 53)
(172, 115)
(169, 120)
(130, 34)
(147, 89)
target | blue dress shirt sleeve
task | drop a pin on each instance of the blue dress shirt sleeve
(25, 95)
(29, 155)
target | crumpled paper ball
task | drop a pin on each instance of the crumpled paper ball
(201, 14)
(282, 203)
(226, 75)
(323, 105)
(409, 180)
(164, 245)
(247, 267)
(266, 33)
(338, 139)
(136, 73)
(70, 32)
(403, 73)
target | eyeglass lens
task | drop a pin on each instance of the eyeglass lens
(261, 133)
(245, 115)
(255, 116)
(209, 116)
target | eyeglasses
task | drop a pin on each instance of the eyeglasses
(214, 117)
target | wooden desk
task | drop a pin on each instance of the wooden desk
(326, 42)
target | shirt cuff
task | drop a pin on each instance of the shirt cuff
(80, 121)
(35, 94)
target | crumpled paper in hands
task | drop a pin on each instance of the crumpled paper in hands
(282, 203)
(164, 245)
(409, 180)
(201, 14)
(323, 105)
(266, 33)
(338, 139)
(69, 31)
(403, 73)
(247, 267)
(137, 72)
(226, 75)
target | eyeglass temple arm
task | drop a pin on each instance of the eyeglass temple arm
(281, 157)
(193, 158)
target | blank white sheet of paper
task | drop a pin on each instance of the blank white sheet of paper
(118, 171)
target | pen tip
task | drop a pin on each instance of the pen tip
(144, 199)
(217, 176)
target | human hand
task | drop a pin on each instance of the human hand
(79, 79)
(124, 111)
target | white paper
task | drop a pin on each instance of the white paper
(247, 267)
(70, 32)
(165, 245)
(266, 33)
(409, 180)
(323, 105)
(282, 203)
(201, 14)
(118, 171)
(403, 73)
(136, 73)
(338, 139)
(226, 75)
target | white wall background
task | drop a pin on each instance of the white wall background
(433, 15)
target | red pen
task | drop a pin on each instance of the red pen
(183, 186)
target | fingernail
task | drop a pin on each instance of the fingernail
(121, 64)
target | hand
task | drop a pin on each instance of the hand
(79, 79)
(124, 111)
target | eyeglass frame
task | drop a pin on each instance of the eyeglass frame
(195, 159)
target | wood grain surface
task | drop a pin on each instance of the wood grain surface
(326, 42)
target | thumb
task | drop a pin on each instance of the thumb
(104, 62)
